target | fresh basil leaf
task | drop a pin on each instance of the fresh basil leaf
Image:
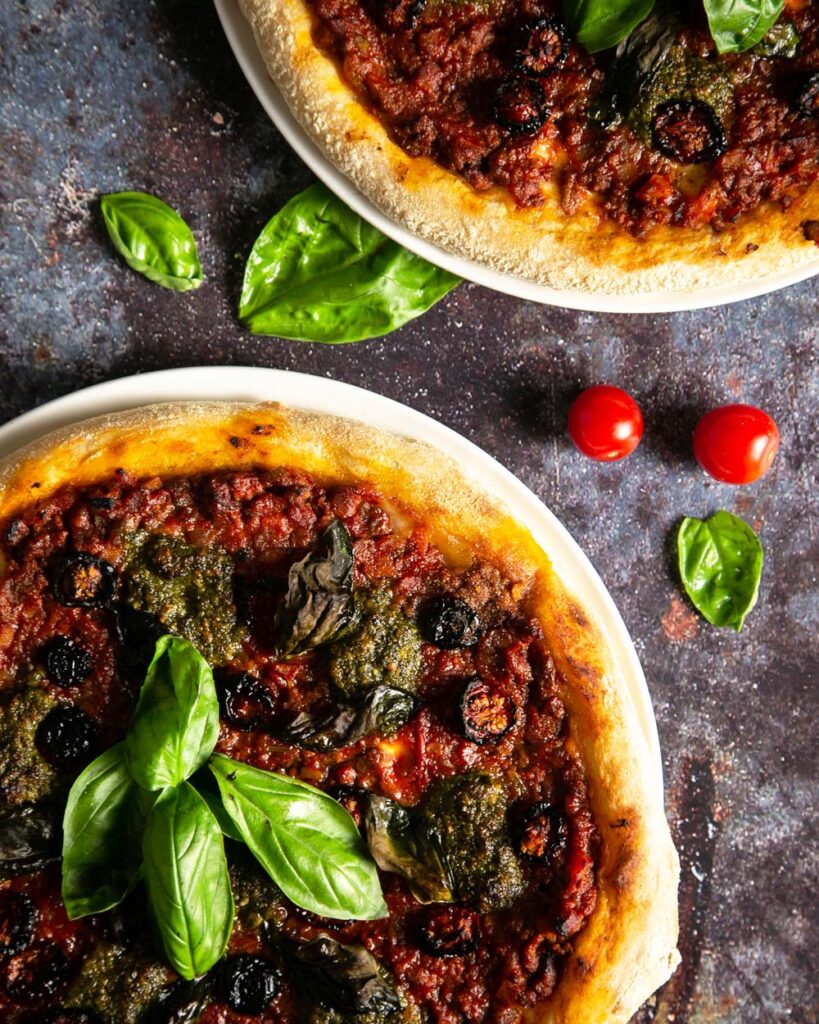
(153, 239)
(399, 843)
(318, 272)
(206, 787)
(721, 565)
(305, 841)
(176, 722)
(101, 829)
(187, 880)
(347, 978)
(600, 24)
(384, 709)
(319, 604)
(737, 25)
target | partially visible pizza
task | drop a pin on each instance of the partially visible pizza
(486, 127)
(378, 628)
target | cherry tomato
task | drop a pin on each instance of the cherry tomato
(736, 443)
(605, 423)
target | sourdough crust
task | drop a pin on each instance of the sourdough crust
(584, 252)
(628, 946)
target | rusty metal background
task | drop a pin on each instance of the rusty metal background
(99, 95)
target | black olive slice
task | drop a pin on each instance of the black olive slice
(66, 737)
(450, 931)
(18, 919)
(67, 662)
(543, 833)
(806, 97)
(688, 131)
(36, 974)
(249, 983)
(520, 105)
(486, 714)
(545, 47)
(245, 703)
(84, 581)
(449, 623)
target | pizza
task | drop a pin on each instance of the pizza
(467, 697)
(485, 127)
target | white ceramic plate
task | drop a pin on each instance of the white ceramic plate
(321, 395)
(243, 44)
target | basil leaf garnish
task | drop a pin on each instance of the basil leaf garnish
(737, 25)
(153, 239)
(305, 841)
(101, 849)
(318, 272)
(399, 843)
(600, 24)
(319, 603)
(720, 563)
(176, 722)
(347, 978)
(384, 708)
(186, 876)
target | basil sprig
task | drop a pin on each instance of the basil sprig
(153, 239)
(318, 272)
(720, 562)
(736, 25)
(133, 815)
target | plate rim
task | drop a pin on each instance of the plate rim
(324, 394)
(243, 45)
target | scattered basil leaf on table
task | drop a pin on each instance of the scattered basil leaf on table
(305, 841)
(176, 722)
(187, 880)
(720, 563)
(153, 239)
(318, 272)
(101, 827)
(600, 24)
(319, 604)
(737, 25)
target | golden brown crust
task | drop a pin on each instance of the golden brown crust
(584, 252)
(628, 947)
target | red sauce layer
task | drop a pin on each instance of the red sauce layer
(266, 521)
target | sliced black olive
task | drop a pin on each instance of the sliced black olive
(688, 131)
(520, 105)
(36, 974)
(806, 98)
(486, 714)
(67, 662)
(64, 1016)
(18, 919)
(84, 581)
(543, 833)
(545, 47)
(66, 737)
(449, 931)
(449, 623)
(245, 703)
(249, 983)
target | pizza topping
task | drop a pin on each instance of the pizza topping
(399, 842)
(384, 710)
(449, 623)
(34, 975)
(18, 917)
(520, 105)
(543, 833)
(65, 1016)
(29, 838)
(807, 96)
(344, 978)
(249, 983)
(84, 581)
(449, 931)
(117, 984)
(244, 702)
(545, 49)
(25, 777)
(66, 738)
(67, 662)
(688, 131)
(487, 715)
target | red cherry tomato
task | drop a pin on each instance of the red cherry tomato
(605, 423)
(736, 443)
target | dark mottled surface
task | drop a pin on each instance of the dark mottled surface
(101, 96)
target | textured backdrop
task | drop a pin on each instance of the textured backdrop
(97, 96)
